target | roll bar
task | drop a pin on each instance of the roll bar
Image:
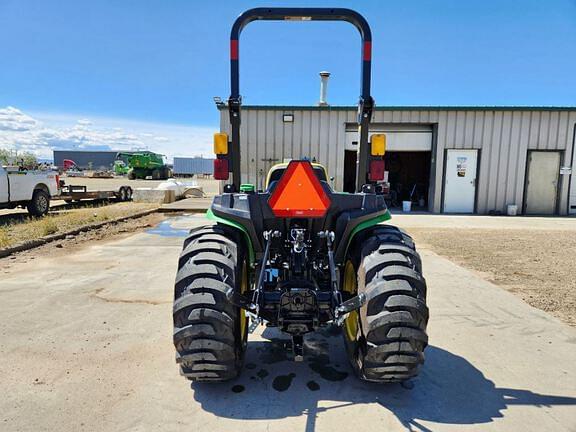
(365, 104)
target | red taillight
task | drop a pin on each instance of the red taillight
(57, 181)
(299, 193)
(221, 169)
(376, 170)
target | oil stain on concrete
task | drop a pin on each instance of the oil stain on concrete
(283, 382)
(313, 386)
(238, 388)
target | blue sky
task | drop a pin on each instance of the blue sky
(149, 69)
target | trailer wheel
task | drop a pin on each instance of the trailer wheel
(210, 333)
(128, 193)
(122, 194)
(39, 204)
(386, 338)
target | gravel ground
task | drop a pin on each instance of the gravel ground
(537, 265)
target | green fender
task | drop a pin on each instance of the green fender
(210, 215)
(367, 224)
(362, 226)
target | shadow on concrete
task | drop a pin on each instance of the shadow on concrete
(449, 390)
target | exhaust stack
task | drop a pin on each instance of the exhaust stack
(323, 88)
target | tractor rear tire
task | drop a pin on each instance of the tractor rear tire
(210, 333)
(386, 338)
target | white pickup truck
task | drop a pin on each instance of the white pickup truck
(30, 189)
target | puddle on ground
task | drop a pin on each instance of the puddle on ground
(165, 229)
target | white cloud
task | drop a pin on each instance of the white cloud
(12, 119)
(40, 133)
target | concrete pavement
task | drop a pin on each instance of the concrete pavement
(85, 344)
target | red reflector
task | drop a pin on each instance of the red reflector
(299, 193)
(233, 49)
(367, 51)
(376, 170)
(221, 169)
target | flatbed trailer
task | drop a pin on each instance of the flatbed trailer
(71, 193)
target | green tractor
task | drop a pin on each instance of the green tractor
(143, 164)
(120, 167)
(300, 256)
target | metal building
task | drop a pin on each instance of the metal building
(448, 159)
(97, 160)
(189, 166)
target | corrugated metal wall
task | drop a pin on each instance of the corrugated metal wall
(98, 160)
(189, 166)
(503, 137)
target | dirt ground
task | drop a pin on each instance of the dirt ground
(113, 231)
(16, 228)
(535, 264)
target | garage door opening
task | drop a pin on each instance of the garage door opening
(408, 178)
(407, 162)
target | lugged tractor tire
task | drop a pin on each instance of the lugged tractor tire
(386, 338)
(210, 334)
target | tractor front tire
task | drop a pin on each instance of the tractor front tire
(386, 338)
(210, 333)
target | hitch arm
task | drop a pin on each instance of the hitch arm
(268, 236)
(341, 309)
(253, 305)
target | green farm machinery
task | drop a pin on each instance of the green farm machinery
(142, 165)
(298, 255)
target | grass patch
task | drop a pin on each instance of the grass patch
(30, 229)
(4, 237)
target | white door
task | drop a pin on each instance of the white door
(542, 182)
(460, 181)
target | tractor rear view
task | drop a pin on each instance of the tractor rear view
(300, 256)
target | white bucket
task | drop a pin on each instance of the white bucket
(512, 210)
(406, 206)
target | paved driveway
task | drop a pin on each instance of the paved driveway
(85, 344)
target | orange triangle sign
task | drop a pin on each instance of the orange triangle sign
(299, 193)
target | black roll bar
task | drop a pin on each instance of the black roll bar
(365, 105)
